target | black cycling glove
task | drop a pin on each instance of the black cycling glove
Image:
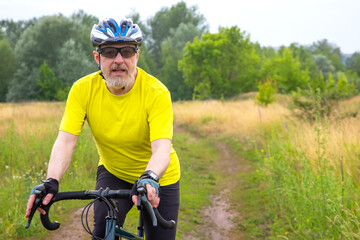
(49, 185)
(148, 177)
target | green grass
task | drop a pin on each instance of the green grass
(24, 164)
(199, 178)
(304, 199)
(248, 197)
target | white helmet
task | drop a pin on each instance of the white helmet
(108, 31)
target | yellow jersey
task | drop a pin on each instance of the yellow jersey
(123, 126)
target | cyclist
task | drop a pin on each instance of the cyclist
(130, 116)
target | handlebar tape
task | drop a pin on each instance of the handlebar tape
(167, 224)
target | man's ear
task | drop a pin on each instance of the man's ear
(96, 57)
(137, 55)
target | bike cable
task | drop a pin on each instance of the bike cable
(85, 213)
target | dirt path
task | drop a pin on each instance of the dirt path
(220, 218)
(73, 229)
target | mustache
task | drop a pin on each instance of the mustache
(117, 67)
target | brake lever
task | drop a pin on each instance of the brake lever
(39, 193)
(142, 191)
(142, 199)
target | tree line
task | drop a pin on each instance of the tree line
(41, 58)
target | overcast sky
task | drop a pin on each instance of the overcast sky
(269, 22)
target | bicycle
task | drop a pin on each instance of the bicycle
(107, 196)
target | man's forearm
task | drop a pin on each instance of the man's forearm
(61, 155)
(160, 158)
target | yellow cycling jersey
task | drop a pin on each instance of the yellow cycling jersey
(123, 126)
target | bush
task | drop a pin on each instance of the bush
(321, 97)
(267, 91)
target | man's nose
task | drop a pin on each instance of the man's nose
(118, 57)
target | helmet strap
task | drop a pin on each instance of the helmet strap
(99, 66)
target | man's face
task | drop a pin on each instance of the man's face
(119, 69)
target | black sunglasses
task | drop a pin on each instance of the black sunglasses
(112, 52)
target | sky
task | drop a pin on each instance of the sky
(268, 22)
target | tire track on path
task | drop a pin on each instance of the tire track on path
(220, 216)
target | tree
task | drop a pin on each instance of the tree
(321, 97)
(286, 71)
(81, 24)
(42, 42)
(37, 44)
(331, 51)
(353, 63)
(222, 64)
(7, 67)
(172, 52)
(264, 53)
(13, 30)
(324, 65)
(146, 61)
(167, 19)
(267, 92)
(23, 85)
(306, 59)
(73, 63)
(47, 82)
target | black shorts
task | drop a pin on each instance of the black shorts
(168, 207)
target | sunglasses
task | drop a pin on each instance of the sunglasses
(112, 52)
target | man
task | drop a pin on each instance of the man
(130, 115)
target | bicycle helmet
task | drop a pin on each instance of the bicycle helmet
(108, 31)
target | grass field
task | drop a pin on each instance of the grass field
(305, 183)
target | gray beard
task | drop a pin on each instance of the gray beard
(119, 82)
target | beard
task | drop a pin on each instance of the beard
(118, 82)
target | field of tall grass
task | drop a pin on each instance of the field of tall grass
(306, 176)
(28, 131)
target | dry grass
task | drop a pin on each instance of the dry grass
(30, 117)
(229, 118)
(341, 141)
(232, 118)
(242, 119)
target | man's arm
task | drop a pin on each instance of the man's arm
(60, 159)
(61, 155)
(160, 158)
(158, 163)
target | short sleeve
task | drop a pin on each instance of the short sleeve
(160, 117)
(75, 110)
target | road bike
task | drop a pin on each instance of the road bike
(108, 197)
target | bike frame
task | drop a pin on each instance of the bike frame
(112, 232)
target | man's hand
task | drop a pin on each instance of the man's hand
(152, 196)
(48, 188)
(31, 201)
(149, 180)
